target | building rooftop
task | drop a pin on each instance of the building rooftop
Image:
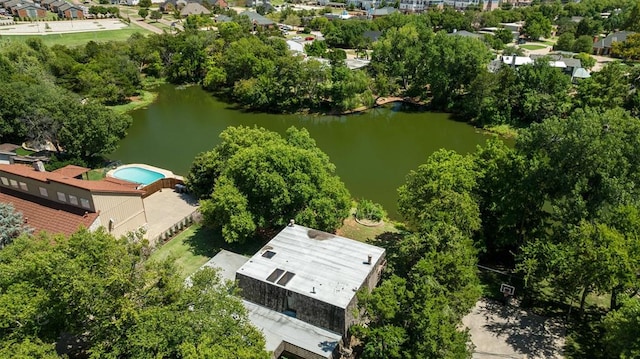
(317, 264)
(9, 147)
(227, 263)
(193, 8)
(72, 171)
(611, 38)
(279, 328)
(44, 215)
(105, 185)
(256, 18)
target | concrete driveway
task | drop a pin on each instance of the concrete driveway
(500, 331)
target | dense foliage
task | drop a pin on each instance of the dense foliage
(11, 224)
(95, 295)
(256, 179)
(37, 103)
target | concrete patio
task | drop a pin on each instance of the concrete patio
(166, 208)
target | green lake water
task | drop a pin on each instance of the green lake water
(372, 151)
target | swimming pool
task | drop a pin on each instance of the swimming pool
(138, 175)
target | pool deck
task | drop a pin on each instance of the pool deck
(165, 173)
(166, 208)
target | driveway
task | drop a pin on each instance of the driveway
(500, 331)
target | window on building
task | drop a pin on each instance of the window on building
(14, 183)
(85, 203)
(4, 180)
(62, 197)
(73, 200)
(44, 192)
(23, 186)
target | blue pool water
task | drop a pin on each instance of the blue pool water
(137, 175)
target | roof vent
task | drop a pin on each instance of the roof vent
(368, 259)
(38, 166)
(292, 222)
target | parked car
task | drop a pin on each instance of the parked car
(296, 38)
(309, 38)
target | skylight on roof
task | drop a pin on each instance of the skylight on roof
(275, 275)
(268, 254)
(286, 278)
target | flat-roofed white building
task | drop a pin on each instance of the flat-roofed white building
(312, 276)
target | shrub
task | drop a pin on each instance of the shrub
(368, 210)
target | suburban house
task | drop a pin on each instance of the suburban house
(54, 6)
(300, 288)
(193, 8)
(603, 46)
(60, 201)
(258, 20)
(567, 64)
(385, 11)
(33, 11)
(47, 3)
(69, 11)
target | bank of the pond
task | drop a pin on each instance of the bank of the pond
(373, 151)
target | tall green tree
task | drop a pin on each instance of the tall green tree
(537, 25)
(101, 294)
(621, 336)
(11, 224)
(255, 179)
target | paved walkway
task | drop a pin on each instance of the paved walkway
(500, 331)
(166, 208)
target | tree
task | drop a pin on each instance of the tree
(621, 338)
(145, 4)
(537, 25)
(565, 42)
(583, 43)
(91, 130)
(441, 191)
(11, 224)
(316, 48)
(144, 12)
(156, 15)
(504, 35)
(607, 88)
(587, 61)
(109, 301)
(255, 179)
(628, 49)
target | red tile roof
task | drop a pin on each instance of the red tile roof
(71, 171)
(102, 186)
(44, 215)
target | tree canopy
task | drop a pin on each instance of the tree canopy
(256, 179)
(11, 224)
(99, 295)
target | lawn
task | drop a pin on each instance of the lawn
(196, 245)
(354, 230)
(532, 47)
(145, 98)
(81, 38)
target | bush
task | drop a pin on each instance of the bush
(369, 210)
(306, 30)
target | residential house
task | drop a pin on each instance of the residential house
(579, 74)
(464, 33)
(300, 288)
(364, 4)
(27, 10)
(38, 194)
(11, 3)
(193, 8)
(54, 6)
(567, 64)
(385, 11)
(69, 11)
(258, 20)
(603, 46)
(47, 3)
(7, 152)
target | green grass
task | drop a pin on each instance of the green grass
(504, 131)
(22, 152)
(81, 38)
(96, 174)
(196, 245)
(354, 230)
(532, 47)
(145, 98)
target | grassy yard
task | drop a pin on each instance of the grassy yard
(196, 245)
(532, 46)
(354, 230)
(81, 38)
(146, 98)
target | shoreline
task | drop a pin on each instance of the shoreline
(380, 101)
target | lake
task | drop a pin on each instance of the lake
(372, 151)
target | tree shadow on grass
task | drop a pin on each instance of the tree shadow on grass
(207, 241)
